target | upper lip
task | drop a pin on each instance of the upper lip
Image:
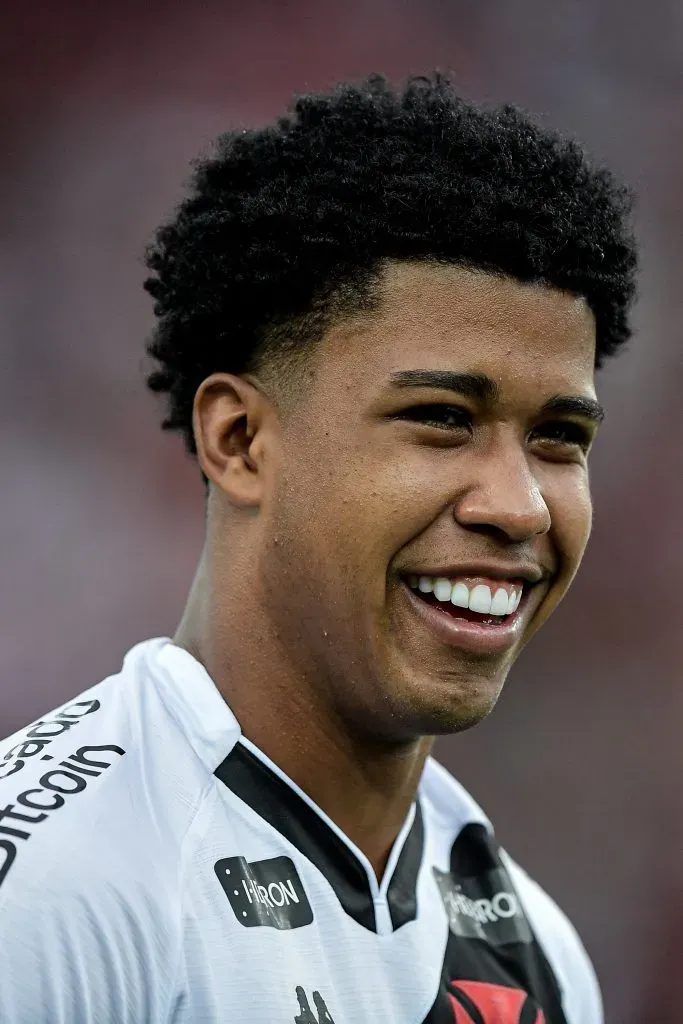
(491, 570)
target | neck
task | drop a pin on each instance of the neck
(366, 788)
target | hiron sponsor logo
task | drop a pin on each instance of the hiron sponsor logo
(484, 907)
(42, 733)
(276, 895)
(501, 905)
(264, 892)
(70, 777)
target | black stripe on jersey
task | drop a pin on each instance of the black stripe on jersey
(492, 959)
(278, 804)
(402, 891)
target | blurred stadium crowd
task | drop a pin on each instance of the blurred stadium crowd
(101, 515)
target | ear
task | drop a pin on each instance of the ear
(228, 418)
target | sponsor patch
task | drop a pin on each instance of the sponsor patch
(266, 893)
(483, 907)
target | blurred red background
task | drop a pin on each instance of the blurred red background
(102, 107)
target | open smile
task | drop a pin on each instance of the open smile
(454, 618)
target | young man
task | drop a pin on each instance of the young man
(378, 327)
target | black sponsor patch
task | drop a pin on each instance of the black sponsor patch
(265, 893)
(485, 908)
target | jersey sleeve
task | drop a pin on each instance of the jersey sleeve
(73, 956)
(88, 925)
(566, 954)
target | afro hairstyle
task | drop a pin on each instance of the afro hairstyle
(287, 227)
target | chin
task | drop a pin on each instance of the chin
(458, 719)
(449, 720)
(455, 708)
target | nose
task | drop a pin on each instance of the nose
(504, 497)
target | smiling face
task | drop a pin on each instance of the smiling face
(436, 459)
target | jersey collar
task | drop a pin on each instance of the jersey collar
(252, 777)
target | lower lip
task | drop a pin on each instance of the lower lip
(465, 635)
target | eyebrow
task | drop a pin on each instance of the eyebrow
(484, 389)
(574, 405)
(472, 385)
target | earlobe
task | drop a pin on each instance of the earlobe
(227, 417)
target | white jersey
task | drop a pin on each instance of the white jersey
(156, 867)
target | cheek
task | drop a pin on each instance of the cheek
(360, 500)
(383, 505)
(338, 528)
(571, 511)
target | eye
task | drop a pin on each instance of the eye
(565, 434)
(443, 417)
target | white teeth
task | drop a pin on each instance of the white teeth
(442, 589)
(460, 596)
(480, 599)
(500, 602)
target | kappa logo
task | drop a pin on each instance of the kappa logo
(306, 1014)
(478, 1002)
(265, 893)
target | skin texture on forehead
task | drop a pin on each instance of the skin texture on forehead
(299, 609)
(434, 308)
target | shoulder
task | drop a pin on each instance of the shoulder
(451, 806)
(107, 707)
(51, 771)
(111, 770)
(562, 946)
(96, 798)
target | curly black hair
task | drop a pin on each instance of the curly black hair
(288, 226)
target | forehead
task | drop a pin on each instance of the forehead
(524, 336)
